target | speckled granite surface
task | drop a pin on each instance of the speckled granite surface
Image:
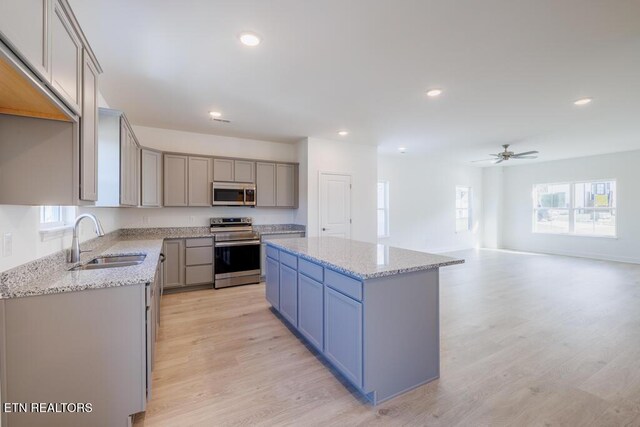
(279, 229)
(165, 233)
(360, 259)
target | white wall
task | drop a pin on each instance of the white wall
(359, 161)
(492, 207)
(23, 222)
(205, 144)
(517, 212)
(422, 202)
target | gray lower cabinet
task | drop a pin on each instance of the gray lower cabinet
(189, 262)
(86, 346)
(174, 265)
(310, 310)
(343, 333)
(272, 282)
(289, 294)
(150, 178)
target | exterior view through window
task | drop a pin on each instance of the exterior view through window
(579, 208)
(463, 209)
(383, 208)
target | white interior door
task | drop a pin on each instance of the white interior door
(335, 205)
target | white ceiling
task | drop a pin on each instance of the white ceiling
(510, 71)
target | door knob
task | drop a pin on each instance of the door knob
(324, 229)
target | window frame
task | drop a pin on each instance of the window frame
(52, 224)
(572, 208)
(469, 209)
(384, 209)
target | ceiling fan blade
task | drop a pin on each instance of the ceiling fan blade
(496, 155)
(524, 157)
(526, 153)
(483, 160)
(498, 161)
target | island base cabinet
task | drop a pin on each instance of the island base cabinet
(272, 282)
(343, 334)
(289, 294)
(310, 310)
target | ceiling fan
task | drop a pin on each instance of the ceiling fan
(506, 155)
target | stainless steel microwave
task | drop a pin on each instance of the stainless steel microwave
(234, 194)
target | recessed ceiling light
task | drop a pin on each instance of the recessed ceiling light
(434, 92)
(402, 149)
(250, 39)
(215, 114)
(583, 101)
(343, 133)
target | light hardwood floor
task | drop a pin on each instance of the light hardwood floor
(526, 340)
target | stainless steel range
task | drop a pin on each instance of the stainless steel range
(237, 252)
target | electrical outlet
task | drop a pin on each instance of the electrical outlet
(192, 220)
(145, 220)
(7, 245)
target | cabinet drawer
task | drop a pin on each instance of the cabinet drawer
(199, 274)
(194, 243)
(288, 259)
(345, 284)
(203, 255)
(311, 269)
(272, 252)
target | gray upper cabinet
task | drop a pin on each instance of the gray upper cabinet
(223, 170)
(175, 180)
(24, 23)
(151, 178)
(129, 161)
(200, 178)
(286, 186)
(265, 184)
(231, 170)
(89, 132)
(244, 171)
(66, 58)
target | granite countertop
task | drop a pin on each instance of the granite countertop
(269, 229)
(62, 280)
(360, 259)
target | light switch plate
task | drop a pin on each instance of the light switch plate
(7, 245)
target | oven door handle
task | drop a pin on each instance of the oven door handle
(237, 243)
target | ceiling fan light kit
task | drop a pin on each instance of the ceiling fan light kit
(508, 155)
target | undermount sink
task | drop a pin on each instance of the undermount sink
(111, 261)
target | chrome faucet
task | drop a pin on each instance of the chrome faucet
(74, 253)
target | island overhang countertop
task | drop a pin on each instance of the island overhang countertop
(362, 260)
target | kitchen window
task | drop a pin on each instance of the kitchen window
(51, 217)
(56, 221)
(583, 208)
(463, 209)
(383, 208)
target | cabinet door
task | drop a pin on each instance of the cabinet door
(272, 285)
(289, 294)
(343, 334)
(200, 181)
(265, 184)
(125, 159)
(175, 180)
(134, 172)
(89, 132)
(25, 23)
(151, 176)
(285, 185)
(174, 269)
(243, 171)
(223, 170)
(66, 58)
(311, 310)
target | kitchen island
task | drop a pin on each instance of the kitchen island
(371, 310)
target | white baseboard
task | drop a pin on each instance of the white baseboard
(589, 255)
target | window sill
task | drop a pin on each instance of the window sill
(52, 233)
(596, 236)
